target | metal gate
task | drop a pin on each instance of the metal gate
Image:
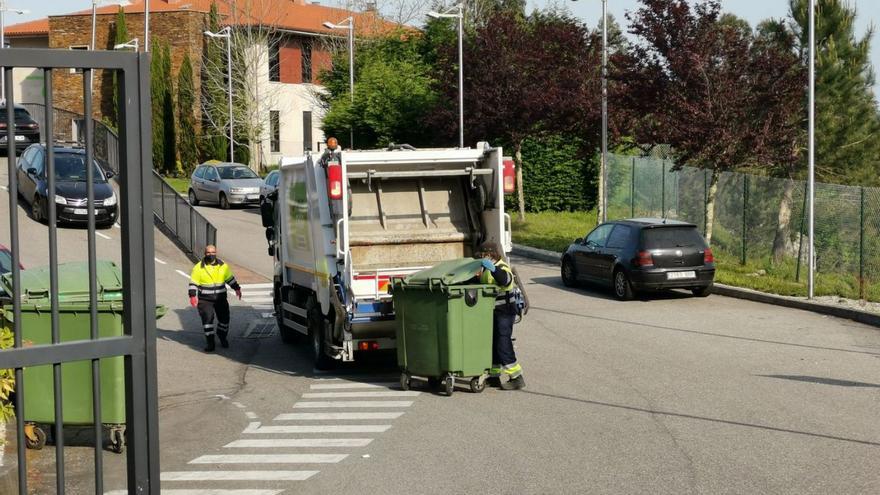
(137, 343)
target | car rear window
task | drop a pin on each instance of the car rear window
(20, 114)
(671, 237)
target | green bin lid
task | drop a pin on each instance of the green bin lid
(73, 283)
(452, 272)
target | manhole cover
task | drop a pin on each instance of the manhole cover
(260, 330)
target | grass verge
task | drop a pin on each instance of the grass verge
(179, 185)
(554, 231)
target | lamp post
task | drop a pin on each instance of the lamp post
(457, 12)
(129, 44)
(95, 3)
(811, 172)
(3, 10)
(146, 25)
(227, 33)
(350, 27)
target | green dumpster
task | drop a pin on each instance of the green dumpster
(74, 324)
(444, 325)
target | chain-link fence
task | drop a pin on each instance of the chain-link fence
(760, 223)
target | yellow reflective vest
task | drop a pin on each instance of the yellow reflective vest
(487, 278)
(209, 281)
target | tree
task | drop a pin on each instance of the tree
(394, 92)
(157, 101)
(847, 115)
(700, 84)
(168, 120)
(515, 93)
(120, 36)
(186, 125)
(213, 144)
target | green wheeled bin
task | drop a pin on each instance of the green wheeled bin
(444, 325)
(74, 324)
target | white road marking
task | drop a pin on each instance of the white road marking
(250, 415)
(206, 492)
(105, 236)
(337, 416)
(343, 395)
(239, 405)
(116, 225)
(256, 286)
(160, 261)
(4, 188)
(270, 459)
(275, 430)
(355, 403)
(237, 476)
(182, 274)
(330, 386)
(257, 300)
(299, 442)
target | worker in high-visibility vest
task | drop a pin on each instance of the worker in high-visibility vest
(506, 371)
(207, 292)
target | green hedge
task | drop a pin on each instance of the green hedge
(557, 175)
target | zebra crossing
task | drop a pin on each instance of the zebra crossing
(294, 440)
(259, 297)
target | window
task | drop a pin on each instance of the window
(237, 172)
(26, 157)
(307, 61)
(307, 131)
(199, 173)
(275, 131)
(619, 237)
(275, 61)
(78, 47)
(211, 174)
(273, 179)
(671, 237)
(599, 235)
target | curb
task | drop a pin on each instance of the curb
(865, 317)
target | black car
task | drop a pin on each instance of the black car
(27, 130)
(70, 186)
(641, 254)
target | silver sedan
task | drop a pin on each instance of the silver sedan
(224, 184)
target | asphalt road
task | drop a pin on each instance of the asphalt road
(669, 395)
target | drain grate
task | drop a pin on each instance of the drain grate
(260, 330)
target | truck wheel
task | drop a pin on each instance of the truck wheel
(317, 334)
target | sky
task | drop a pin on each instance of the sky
(590, 11)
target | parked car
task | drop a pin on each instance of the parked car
(70, 193)
(641, 254)
(6, 260)
(27, 130)
(270, 184)
(225, 184)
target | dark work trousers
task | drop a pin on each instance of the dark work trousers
(502, 331)
(207, 311)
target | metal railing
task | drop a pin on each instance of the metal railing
(180, 220)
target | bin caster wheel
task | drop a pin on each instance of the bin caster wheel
(477, 384)
(434, 382)
(449, 385)
(34, 437)
(404, 381)
(117, 441)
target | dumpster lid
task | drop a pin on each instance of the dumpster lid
(73, 282)
(452, 272)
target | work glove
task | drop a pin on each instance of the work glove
(488, 265)
(193, 301)
(238, 293)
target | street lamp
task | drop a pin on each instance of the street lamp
(227, 33)
(130, 44)
(811, 172)
(350, 27)
(603, 168)
(3, 10)
(460, 16)
(95, 3)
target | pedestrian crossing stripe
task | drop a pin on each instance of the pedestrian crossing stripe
(269, 459)
(237, 476)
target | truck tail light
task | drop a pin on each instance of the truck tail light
(334, 180)
(645, 258)
(368, 345)
(708, 257)
(509, 176)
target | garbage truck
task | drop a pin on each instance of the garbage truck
(343, 223)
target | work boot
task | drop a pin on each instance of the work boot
(493, 381)
(514, 383)
(210, 346)
(224, 343)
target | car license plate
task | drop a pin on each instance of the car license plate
(253, 196)
(80, 211)
(19, 137)
(680, 275)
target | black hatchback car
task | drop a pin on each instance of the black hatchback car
(70, 186)
(641, 254)
(27, 130)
